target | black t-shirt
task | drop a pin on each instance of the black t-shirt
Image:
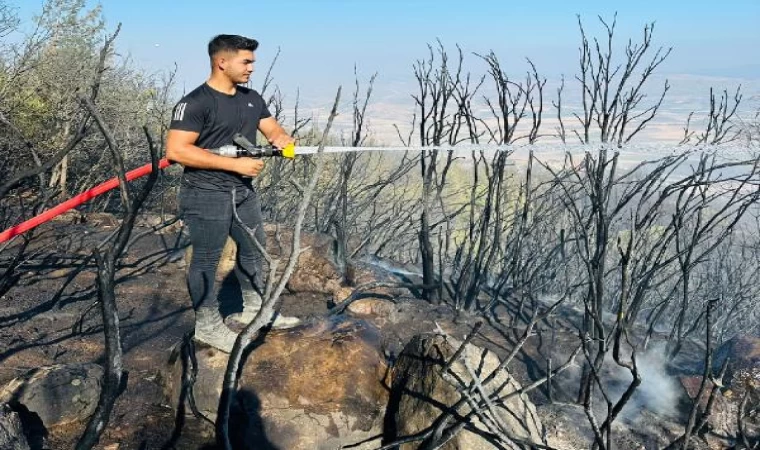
(217, 117)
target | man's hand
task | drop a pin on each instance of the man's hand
(249, 167)
(281, 141)
(275, 134)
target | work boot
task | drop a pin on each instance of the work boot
(211, 330)
(252, 306)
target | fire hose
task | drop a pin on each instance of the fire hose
(241, 147)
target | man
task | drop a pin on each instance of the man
(208, 118)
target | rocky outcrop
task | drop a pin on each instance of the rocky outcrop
(58, 395)
(11, 431)
(421, 394)
(318, 386)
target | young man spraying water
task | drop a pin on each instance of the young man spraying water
(208, 118)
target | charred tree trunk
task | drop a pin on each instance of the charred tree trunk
(111, 385)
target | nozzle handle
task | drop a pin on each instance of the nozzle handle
(244, 143)
(257, 152)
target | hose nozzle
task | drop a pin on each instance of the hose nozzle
(289, 151)
(257, 152)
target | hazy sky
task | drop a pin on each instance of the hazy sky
(324, 37)
(321, 40)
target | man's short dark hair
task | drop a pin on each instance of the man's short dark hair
(231, 42)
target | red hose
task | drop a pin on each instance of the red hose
(78, 200)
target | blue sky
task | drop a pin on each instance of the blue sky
(326, 37)
(322, 40)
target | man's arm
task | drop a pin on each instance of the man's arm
(181, 148)
(274, 133)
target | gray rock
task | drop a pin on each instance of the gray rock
(420, 394)
(59, 394)
(11, 432)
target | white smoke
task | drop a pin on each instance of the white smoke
(658, 392)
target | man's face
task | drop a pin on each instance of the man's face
(238, 66)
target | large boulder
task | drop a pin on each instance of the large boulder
(58, 395)
(11, 431)
(319, 386)
(420, 394)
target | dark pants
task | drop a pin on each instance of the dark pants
(209, 217)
